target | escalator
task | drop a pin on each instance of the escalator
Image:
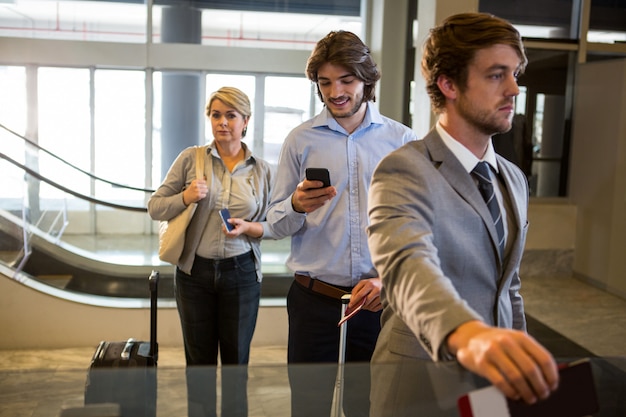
(68, 267)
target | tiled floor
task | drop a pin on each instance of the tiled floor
(38, 383)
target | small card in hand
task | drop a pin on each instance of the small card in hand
(350, 312)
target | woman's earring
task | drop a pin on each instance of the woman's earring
(245, 130)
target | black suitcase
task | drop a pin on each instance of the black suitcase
(125, 372)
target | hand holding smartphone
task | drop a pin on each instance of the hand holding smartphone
(225, 215)
(318, 174)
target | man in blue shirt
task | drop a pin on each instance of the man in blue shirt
(329, 252)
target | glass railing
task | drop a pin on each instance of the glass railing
(66, 176)
(35, 197)
(421, 389)
(15, 242)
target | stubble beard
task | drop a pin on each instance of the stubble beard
(482, 119)
(349, 113)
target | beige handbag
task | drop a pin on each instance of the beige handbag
(172, 232)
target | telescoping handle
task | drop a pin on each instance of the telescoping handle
(337, 404)
(154, 295)
(345, 300)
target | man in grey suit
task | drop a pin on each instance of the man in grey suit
(450, 270)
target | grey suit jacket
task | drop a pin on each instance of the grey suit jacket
(433, 243)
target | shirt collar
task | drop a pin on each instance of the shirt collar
(246, 151)
(465, 157)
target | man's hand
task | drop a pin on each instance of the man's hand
(511, 360)
(309, 197)
(369, 288)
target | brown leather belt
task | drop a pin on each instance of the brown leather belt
(320, 287)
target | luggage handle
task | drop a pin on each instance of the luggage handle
(337, 403)
(153, 283)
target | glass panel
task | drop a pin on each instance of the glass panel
(157, 123)
(23, 211)
(538, 134)
(12, 188)
(14, 245)
(607, 21)
(120, 118)
(590, 384)
(13, 117)
(126, 22)
(240, 28)
(64, 125)
(287, 104)
(13, 98)
(516, 144)
(74, 20)
(546, 19)
(548, 138)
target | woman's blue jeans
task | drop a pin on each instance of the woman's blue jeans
(218, 306)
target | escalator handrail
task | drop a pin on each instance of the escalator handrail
(89, 174)
(69, 191)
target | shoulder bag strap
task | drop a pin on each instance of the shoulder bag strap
(200, 155)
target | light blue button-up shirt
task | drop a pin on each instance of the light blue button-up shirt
(330, 243)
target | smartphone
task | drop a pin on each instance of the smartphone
(225, 215)
(318, 174)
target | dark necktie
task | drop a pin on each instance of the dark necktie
(485, 186)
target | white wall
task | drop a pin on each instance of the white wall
(598, 174)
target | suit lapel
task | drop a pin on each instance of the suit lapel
(507, 176)
(458, 178)
(517, 214)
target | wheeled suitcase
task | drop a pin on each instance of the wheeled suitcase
(125, 372)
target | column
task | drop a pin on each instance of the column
(182, 108)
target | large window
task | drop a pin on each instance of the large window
(76, 20)
(12, 116)
(288, 102)
(64, 125)
(95, 120)
(119, 132)
(100, 106)
(13, 98)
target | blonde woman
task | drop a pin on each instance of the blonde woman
(218, 277)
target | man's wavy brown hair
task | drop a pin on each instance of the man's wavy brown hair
(451, 47)
(347, 50)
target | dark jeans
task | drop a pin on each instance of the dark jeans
(218, 306)
(314, 338)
